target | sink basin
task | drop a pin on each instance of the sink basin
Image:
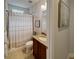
(43, 38)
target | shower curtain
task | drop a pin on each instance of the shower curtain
(20, 29)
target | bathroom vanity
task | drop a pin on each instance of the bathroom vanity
(39, 47)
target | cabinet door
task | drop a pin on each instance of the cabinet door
(35, 49)
(42, 51)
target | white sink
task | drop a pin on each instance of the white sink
(43, 38)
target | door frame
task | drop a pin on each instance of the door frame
(50, 28)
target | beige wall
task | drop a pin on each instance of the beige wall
(71, 41)
(61, 40)
(5, 14)
(64, 40)
(37, 13)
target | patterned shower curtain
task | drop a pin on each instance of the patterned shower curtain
(20, 29)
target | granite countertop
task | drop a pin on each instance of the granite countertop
(41, 39)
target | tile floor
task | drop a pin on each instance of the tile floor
(17, 53)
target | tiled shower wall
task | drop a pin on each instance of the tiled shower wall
(20, 29)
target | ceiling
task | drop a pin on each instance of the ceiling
(22, 3)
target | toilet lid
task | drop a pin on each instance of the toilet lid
(29, 43)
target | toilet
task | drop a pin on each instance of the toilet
(29, 46)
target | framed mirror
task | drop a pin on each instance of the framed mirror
(63, 15)
(37, 23)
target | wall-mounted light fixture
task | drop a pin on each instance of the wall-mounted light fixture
(44, 7)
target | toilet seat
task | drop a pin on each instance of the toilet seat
(29, 43)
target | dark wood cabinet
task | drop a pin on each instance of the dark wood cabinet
(39, 50)
(35, 49)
